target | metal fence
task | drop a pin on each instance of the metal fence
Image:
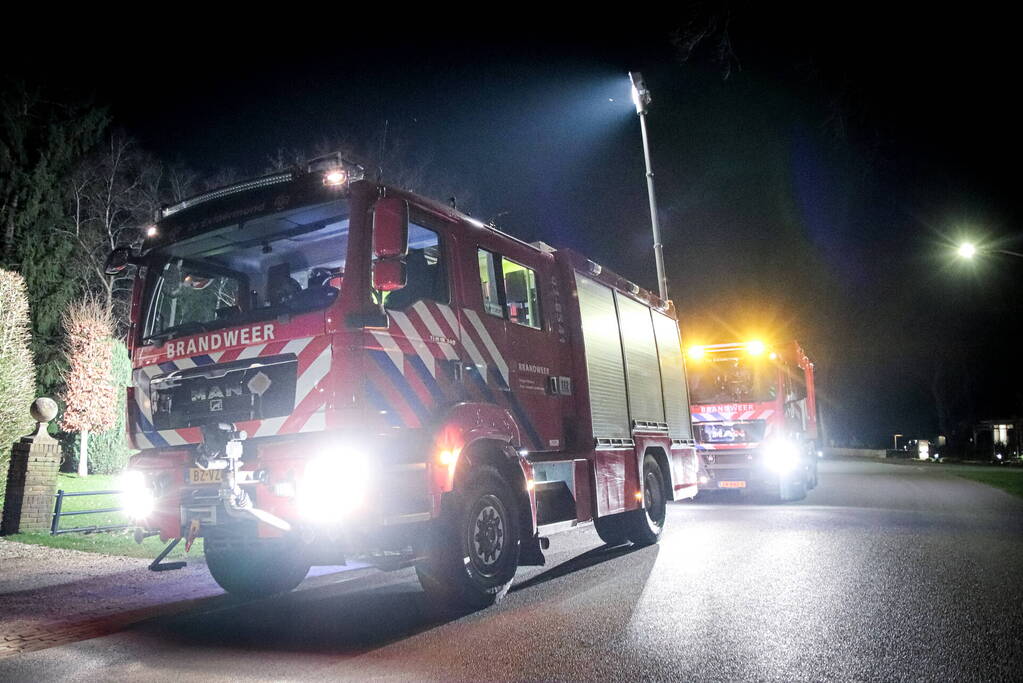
(58, 513)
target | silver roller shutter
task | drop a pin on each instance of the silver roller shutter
(605, 368)
(673, 378)
(642, 369)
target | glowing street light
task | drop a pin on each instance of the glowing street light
(641, 98)
(969, 250)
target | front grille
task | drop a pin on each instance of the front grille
(732, 474)
(727, 458)
(250, 389)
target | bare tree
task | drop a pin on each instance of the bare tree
(112, 196)
(707, 34)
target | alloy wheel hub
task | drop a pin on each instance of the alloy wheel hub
(488, 535)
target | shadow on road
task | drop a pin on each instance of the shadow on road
(337, 618)
(320, 620)
(577, 563)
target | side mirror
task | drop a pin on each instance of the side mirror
(117, 261)
(390, 228)
(389, 275)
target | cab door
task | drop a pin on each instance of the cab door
(513, 334)
(411, 373)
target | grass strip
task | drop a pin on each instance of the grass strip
(107, 542)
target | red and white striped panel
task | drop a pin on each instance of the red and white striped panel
(314, 358)
(431, 331)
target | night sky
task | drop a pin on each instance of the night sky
(811, 179)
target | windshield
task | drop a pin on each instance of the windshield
(286, 262)
(732, 380)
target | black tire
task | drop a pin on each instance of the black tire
(611, 529)
(794, 491)
(474, 553)
(252, 568)
(644, 526)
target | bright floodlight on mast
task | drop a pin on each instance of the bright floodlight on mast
(641, 98)
(640, 94)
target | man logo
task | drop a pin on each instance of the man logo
(216, 405)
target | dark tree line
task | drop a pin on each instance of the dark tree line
(41, 144)
(71, 189)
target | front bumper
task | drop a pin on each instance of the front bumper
(397, 497)
(744, 471)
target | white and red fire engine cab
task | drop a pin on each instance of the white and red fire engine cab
(327, 368)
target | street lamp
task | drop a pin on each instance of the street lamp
(641, 98)
(895, 445)
(968, 250)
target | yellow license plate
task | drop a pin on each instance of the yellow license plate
(198, 476)
(731, 484)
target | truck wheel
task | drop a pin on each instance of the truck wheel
(611, 529)
(792, 491)
(250, 568)
(475, 550)
(645, 526)
(812, 480)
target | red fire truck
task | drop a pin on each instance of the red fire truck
(755, 419)
(327, 368)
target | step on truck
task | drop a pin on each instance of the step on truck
(329, 369)
(755, 417)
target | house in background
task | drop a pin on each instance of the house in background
(997, 439)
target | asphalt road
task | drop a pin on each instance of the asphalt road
(884, 572)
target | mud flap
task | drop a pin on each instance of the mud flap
(531, 552)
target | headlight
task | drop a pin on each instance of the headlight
(137, 497)
(333, 485)
(781, 456)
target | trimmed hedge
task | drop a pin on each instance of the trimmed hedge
(108, 450)
(17, 368)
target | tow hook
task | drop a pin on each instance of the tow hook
(222, 449)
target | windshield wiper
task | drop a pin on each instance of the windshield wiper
(176, 331)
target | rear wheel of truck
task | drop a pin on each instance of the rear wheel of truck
(645, 525)
(474, 552)
(247, 567)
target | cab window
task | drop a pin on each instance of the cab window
(488, 283)
(425, 271)
(509, 289)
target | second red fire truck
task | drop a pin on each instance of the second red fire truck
(755, 418)
(327, 368)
